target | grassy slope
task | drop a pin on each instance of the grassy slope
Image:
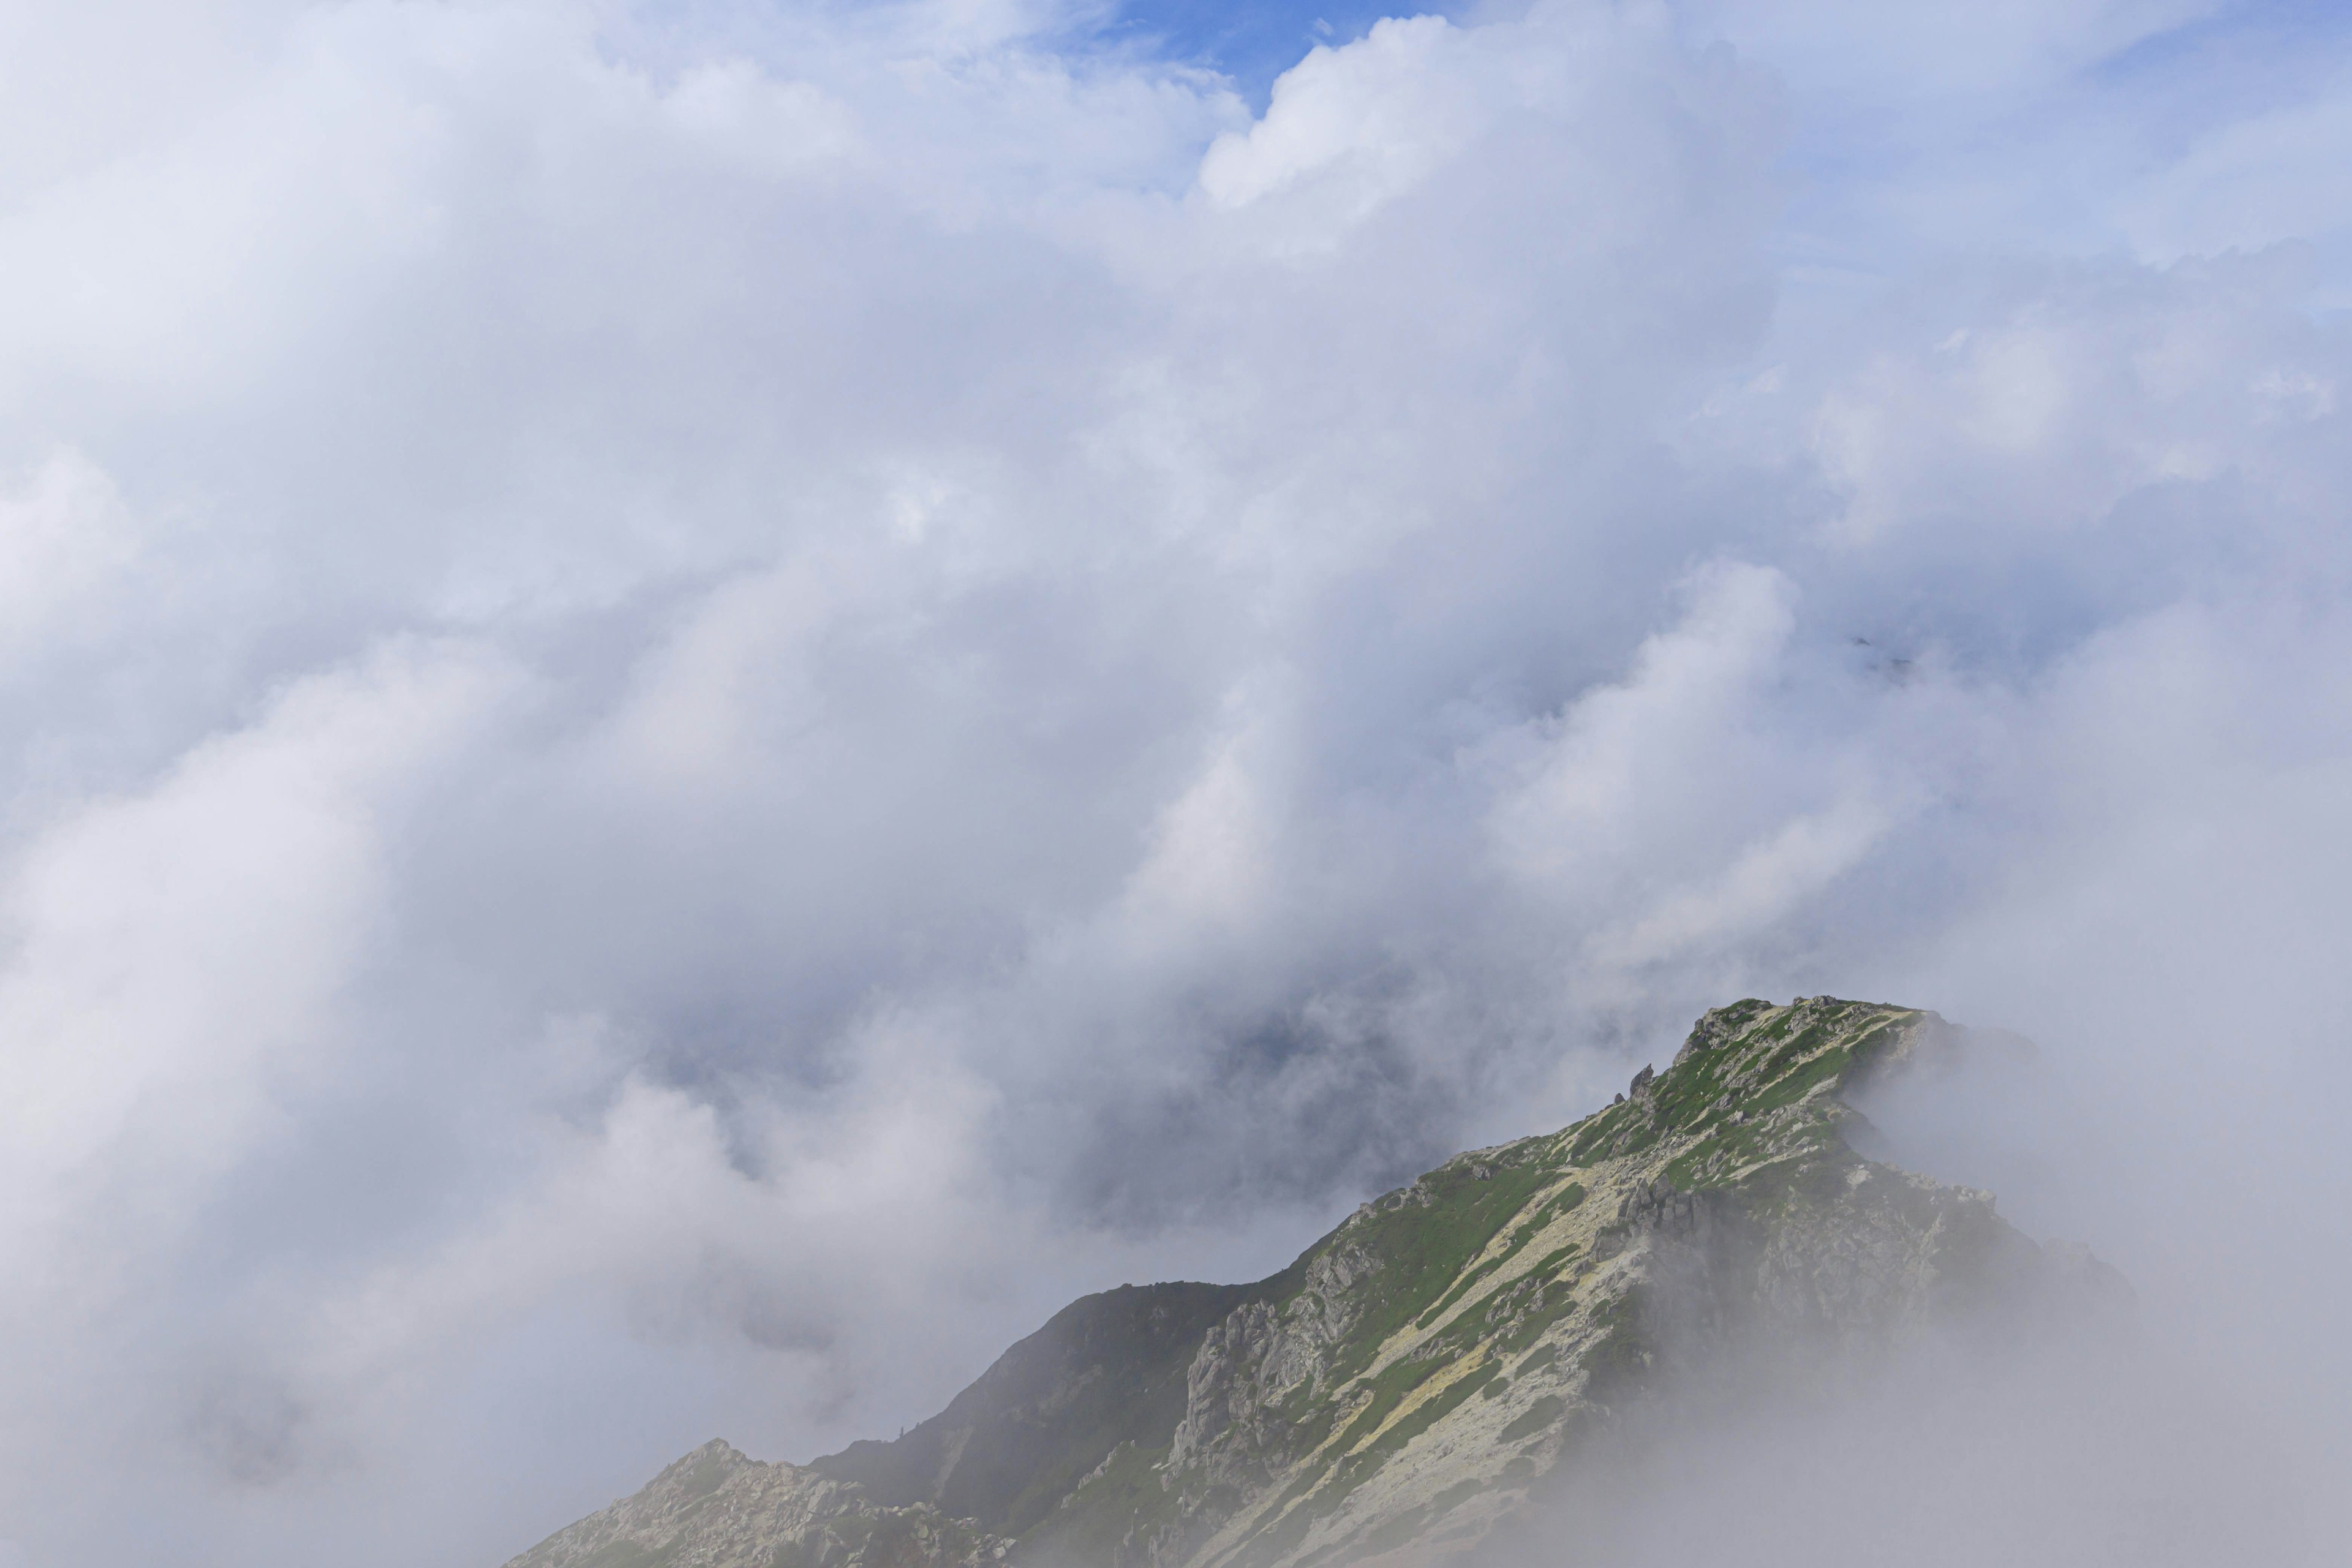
(1486, 1310)
(1485, 1274)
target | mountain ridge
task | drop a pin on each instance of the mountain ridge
(1413, 1379)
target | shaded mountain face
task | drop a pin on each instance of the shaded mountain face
(1107, 1372)
(1452, 1351)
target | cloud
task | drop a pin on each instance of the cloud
(67, 543)
(2251, 183)
(714, 702)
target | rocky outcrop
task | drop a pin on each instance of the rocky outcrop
(1410, 1381)
(716, 1508)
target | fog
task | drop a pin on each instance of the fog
(2075, 1421)
(2091, 1456)
(709, 699)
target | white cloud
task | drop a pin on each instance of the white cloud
(710, 694)
(2249, 183)
(1374, 118)
(66, 543)
(173, 952)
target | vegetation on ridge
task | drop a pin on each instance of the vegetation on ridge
(1414, 1373)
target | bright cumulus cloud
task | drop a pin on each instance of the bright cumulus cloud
(708, 700)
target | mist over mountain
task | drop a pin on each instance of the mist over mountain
(710, 700)
(1690, 1324)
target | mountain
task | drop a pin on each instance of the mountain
(1427, 1372)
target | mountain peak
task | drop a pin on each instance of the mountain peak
(1422, 1372)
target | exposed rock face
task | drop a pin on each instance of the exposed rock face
(715, 1509)
(1404, 1387)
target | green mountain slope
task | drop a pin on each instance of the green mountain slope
(1421, 1372)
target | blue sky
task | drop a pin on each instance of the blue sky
(1252, 44)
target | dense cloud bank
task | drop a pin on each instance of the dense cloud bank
(707, 701)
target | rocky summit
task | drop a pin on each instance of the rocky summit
(1424, 1375)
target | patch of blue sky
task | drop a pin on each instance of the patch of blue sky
(1251, 44)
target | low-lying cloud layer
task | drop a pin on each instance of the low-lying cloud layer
(710, 700)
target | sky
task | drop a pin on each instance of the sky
(708, 700)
